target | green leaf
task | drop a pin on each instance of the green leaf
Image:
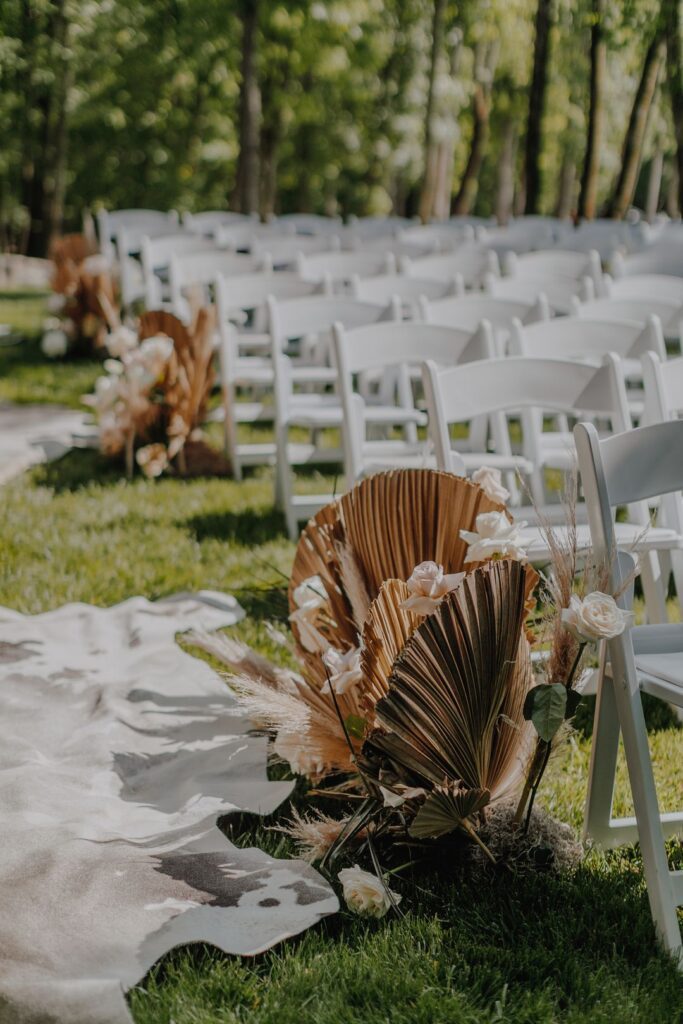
(355, 726)
(546, 707)
(445, 809)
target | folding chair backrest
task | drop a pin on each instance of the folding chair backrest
(309, 223)
(469, 263)
(140, 222)
(438, 237)
(571, 338)
(251, 291)
(636, 310)
(459, 394)
(553, 265)
(342, 266)
(467, 311)
(408, 289)
(661, 258)
(654, 287)
(284, 251)
(557, 292)
(296, 318)
(202, 268)
(207, 221)
(156, 255)
(520, 236)
(630, 467)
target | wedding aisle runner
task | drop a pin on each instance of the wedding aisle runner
(118, 751)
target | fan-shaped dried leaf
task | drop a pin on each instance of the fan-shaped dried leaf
(445, 809)
(454, 708)
(387, 629)
(384, 527)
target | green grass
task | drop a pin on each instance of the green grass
(524, 949)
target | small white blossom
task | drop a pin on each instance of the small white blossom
(54, 344)
(344, 668)
(495, 535)
(490, 480)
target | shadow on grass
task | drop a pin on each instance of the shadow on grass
(247, 527)
(77, 469)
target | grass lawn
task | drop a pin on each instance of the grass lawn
(528, 949)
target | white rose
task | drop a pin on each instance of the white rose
(54, 344)
(344, 668)
(364, 893)
(152, 459)
(596, 617)
(311, 593)
(495, 535)
(121, 341)
(489, 479)
(303, 760)
(428, 585)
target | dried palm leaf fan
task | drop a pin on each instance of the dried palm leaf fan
(361, 540)
(452, 719)
(187, 386)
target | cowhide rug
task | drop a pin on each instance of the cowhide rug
(118, 751)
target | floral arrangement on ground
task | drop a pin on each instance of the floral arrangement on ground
(152, 401)
(437, 673)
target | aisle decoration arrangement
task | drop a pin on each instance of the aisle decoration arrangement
(417, 703)
(152, 401)
(83, 304)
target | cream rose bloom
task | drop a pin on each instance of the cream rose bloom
(344, 669)
(152, 459)
(495, 535)
(596, 617)
(428, 585)
(490, 480)
(364, 893)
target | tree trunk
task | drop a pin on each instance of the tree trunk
(246, 194)
(632, 150)
(654, 184)
(505, 194)
(467, 193)
(271, 135)
(588, 195)
(674, 75)
(56, 152)
(537, 98)
(565, 192)
(431, 156)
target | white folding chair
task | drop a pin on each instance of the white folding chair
(309, 322)
(520, 236)
(636, 466)
(110, 222)
(247, 378)
(650, 288)
(198, 270)
(558, 292)
(438, 237)
(308, 223)
(155, 257)
(498, 386)
(466, 266)
(558, 274)
(381, 348)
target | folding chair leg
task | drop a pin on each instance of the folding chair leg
(603, 765)
(662, 888)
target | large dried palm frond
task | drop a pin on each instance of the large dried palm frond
(381, 529)
(454, 710)
(387, 629)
